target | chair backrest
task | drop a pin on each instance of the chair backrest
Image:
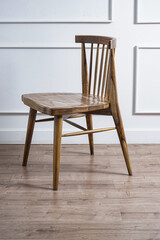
(96, 64)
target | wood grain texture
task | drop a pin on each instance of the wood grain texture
(52, 118)
(100, 70)
(105, 72)
(90, 67)
(96, 82)
(85, 81)
(75, 125)
(96, 197)
(63, 103)
(117, 115)
(89, 123)
(88, 132)
(96, 70)
(30, 128)
(110, 41)
(57, 150)
(108, 80)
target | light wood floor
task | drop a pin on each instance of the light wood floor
(96, 199)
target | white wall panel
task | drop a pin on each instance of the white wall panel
(27, 70)
(147, 11)
(55, 11)
(147, 95)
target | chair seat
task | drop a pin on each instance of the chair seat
(63, 103)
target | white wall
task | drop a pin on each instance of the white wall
(38, 53)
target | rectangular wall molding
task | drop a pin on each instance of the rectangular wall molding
(147, 11)
(146, 81)
(52, 11)
(34, 47)
(55, 46)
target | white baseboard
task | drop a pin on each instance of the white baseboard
(134, 136)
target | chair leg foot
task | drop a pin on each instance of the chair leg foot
(90, 136)
(30, 128)
(57, 150)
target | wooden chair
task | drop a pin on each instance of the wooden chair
(98, 97)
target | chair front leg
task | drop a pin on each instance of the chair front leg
(30, 128)
(57, 150)
(90, 135)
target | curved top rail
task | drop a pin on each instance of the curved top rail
(109, 41)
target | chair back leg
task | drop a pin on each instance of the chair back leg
(30, 128)
(121, 134)
(115, 111)
(90, 135)
(57, 149)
